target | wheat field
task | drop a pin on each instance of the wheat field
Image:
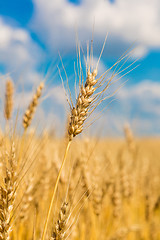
(77, 188)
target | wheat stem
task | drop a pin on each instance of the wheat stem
(54, 191)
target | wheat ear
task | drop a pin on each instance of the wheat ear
(8, 99)
(61, 224)
(28, 116)
(79, 113)
(130, 139)
(7, 196)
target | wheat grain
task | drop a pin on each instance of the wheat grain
(79, 113)
(28, 116)
(8, 99)
(61, 224)
(7, 195)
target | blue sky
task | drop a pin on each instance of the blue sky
(33, 32)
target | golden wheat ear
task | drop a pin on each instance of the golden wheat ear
(8, 107)
(92, 91)
(29, 113)
(61, 224)
(8, 193)
(129, 138)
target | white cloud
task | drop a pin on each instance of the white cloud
(143, 99)
(126, 21)
(19, 54)
(140, 104)
(146, 89)
(140, 51)
(57, 94)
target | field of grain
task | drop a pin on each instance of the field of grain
(109, 189)
(77, 188)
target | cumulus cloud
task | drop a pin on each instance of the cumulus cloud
(126, 21)
(19, 54)
(57, 94)
(139, 104)
(146, 89)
